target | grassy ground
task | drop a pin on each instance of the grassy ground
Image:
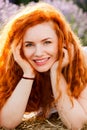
(54, 123)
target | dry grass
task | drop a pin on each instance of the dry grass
(53, 123)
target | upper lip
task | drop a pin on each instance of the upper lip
(40, 59)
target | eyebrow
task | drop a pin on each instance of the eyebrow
(28, 42)
(45, 39)
(41, 40)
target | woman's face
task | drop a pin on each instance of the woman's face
(40, 46)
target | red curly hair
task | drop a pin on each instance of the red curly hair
(75, 72)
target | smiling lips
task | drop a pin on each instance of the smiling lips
(41, 62)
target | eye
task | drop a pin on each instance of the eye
(47, 42)
(29, 44)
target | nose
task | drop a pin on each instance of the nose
(38, 51)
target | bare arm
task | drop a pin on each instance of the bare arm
(83, 99)
(13, 110)
(72, 115)
(83, 95)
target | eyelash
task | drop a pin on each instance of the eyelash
(47, 42)
(29, 45)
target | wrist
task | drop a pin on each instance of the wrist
(29, 75)
(28, 78)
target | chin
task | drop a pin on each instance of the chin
(42, 70)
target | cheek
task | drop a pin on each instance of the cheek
(56, 55)
(55, 52)
(27, 53)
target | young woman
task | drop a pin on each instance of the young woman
(42, 65)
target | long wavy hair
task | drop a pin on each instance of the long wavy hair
(75, 72)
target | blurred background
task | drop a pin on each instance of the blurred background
(75, 12)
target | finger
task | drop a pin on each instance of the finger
(16, 50)
(15, 45)
(19, 45)
(66, 55)
(55, 66)
(65, 58)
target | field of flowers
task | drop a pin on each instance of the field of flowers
(75, 15)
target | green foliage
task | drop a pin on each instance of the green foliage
(82, 4)
(18, 2)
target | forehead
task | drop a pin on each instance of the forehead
(40, 30)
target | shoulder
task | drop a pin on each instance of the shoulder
(85, 53)
(85, 48)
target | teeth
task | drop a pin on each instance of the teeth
(39, 61)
